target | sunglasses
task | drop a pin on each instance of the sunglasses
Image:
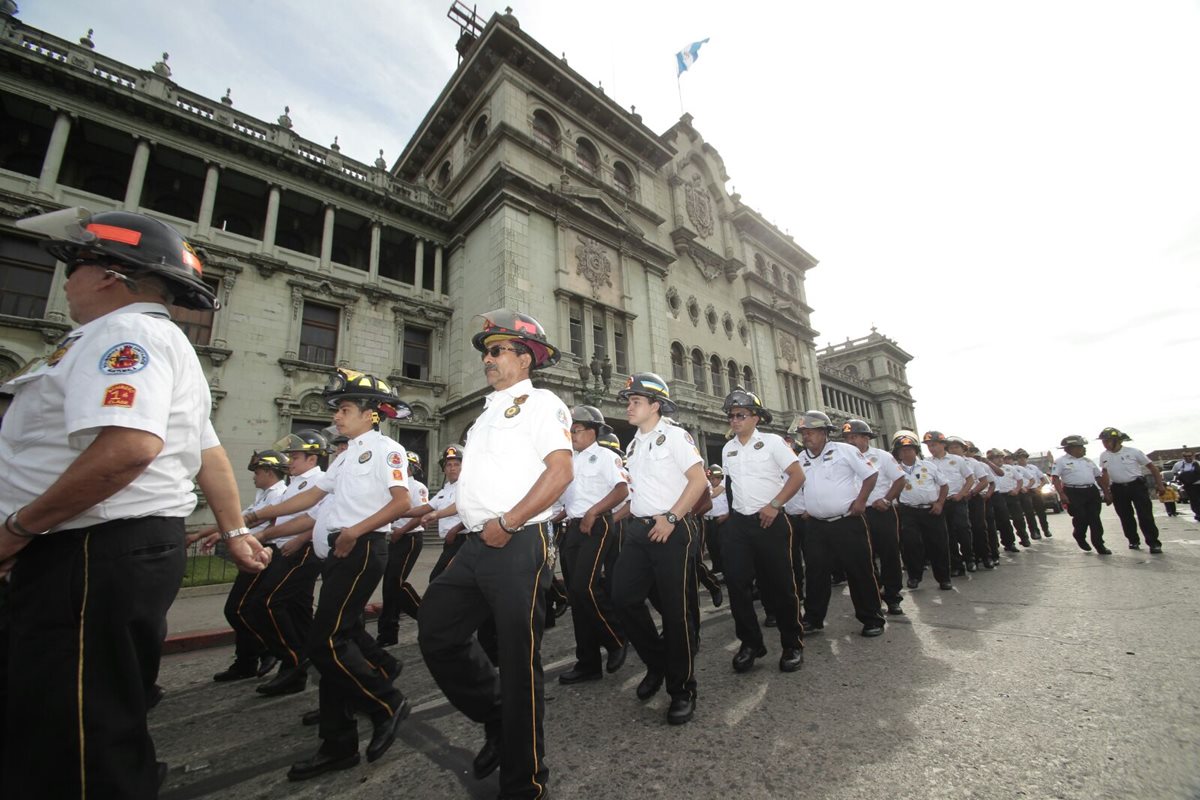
(495, 350)
(740, 415)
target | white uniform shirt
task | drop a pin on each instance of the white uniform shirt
(1008, 481)
(922, 483)
(1078, 473)
(720, 502)
(299, 484)
(359, 484)
(833, 478)
(1035, 474)
(955, 470)
(983, 474)
(657, 462)
(597, 470)
(1125, 465)
(418, 495)
(131, 368)
(266, 497)
(444, 499)
(756, 469)
(888, 469)
(505, 451)
(795, 504)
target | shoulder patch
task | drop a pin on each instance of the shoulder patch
(689, 438)
(365, 457)
(395, 459)
(124, 359)
(62, 348)
(120, 395)
(562, 417)
(397, 474)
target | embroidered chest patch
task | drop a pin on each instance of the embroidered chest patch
(365, 457)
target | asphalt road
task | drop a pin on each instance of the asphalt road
(1061, 674)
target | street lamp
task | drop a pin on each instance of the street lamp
(594, 378)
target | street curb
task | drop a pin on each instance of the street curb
(189, 641)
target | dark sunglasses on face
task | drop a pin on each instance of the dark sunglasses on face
(495, 350)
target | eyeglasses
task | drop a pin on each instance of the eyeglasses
(495, 350)
(740, 415)
(578, 430)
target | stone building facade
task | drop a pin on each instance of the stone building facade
(524, 186)
(867, 379)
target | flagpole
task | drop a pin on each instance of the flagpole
(679, 87)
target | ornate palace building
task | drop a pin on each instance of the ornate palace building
(524, 186)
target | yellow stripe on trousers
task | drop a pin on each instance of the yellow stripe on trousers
(537, 581)
(592, 582)
(792, 568)
(338, 624)
(687, 633)
(271, 597)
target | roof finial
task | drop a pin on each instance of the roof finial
(284, 120)
(161, 69)
(380, 163)
(86, 41)
(227, 100)
(334, 147)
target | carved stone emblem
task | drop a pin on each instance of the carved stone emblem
(592, 263)
(699, 206)
(787, 348)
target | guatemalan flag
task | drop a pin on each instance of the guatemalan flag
(687, 56)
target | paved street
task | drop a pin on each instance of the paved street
(1059, 675)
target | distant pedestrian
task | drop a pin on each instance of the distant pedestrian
(1125, 467)
(1187, 472)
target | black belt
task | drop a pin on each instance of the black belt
(1128, 483)
(1089, 486)
(829, 519)
(919, 508)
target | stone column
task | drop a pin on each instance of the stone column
(137, 175)
(208, 200)
(419, 271)
(268, 241)
(437, 269)
(373, 257)
(327, 239)
(52, 163)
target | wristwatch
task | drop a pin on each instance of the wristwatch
(775, 504)
(235, 533)
(671, 518)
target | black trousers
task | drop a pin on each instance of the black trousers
(1016, 516)
(88, 618)
(1039, 508)
(248, 644)
(668, 570)
(799, 530)
(712, 542)
(1128, 499)
(1084, 505)
(958, 529)
(924, 536)
(449, 551)
(398, 594)
(983, 543)
(844, 544)
(885, 544)
(281, 603)
(752, 553)
(507, 584)
(351, 680)
(997, 506)
(1193, 494)
(1027, 511)
(582, 557)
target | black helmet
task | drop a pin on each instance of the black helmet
(504, 324)
(451, 451)
(347, 384)
(610, 441)
(1074, 440)
(811, 420)
(309, 441)
(857, 426)
(273, 460)
(651, 387)
(340, 439)
(905, 439)
(1113, 433)
(742, 398)
(1021, 452)
(133, 242)
(934, 436)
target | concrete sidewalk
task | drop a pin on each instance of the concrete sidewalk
(196, 619)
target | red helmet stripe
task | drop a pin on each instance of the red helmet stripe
(114, 234)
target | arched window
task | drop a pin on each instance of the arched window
(791, 285)
(586, 156)
(718, 375)
(748, 379)
(698, 368)
(443, 175)
(545, 130)
(678, 371)
(623, 179)
(480, 131)
(733, 374)
(776, 278)
(852, 370)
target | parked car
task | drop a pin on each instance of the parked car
(1051, 499)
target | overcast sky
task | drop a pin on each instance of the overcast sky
(1011, 190)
